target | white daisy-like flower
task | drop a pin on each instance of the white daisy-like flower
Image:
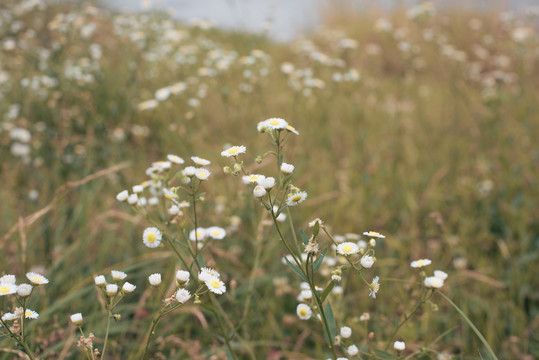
(208, 273)
(202, 174)
(128, 287)
(171, 196)
(132, 199)
(374, 287)
(433, 282)
(173, 210)
(152, 237)
(24, 290)
(215, 285)
(440, 274)
(118, 275)
(233, 151)
(199, 234)
(365, 317)
(296, 198)
(420, 263)
(252, 179)
(200, 161)
(31, 314)
(373, 234)
(282, 216)
(317, 220)
(8, 279)
(190, 171)
(352, 350)
(347, 248)
(182, 295)
(111, 289)
(267, 183)
(100, 280)
(367, 261)
(287, 169)
(137, 189)
(216, 232)
(76, 318)
(304, 311)
(155, 279)
(122, 195)
(7, 289)
(175, 159)
(147, 105)
(183, 276)
(153, 201)
(9, 317)
(346, 332)
(259, 192)
(37, 279)
(162, 94)
(292, 129)
(275, 123)
(399, 345)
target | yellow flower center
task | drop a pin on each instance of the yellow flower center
(253, 178)
(296, 198)
(291, 128)
(347, 248)
(36, 279)
(233, 151)
(215, 284)
(151, 238)
(215, 233)
(303, 312)
(274, 122)
(4, 289)
(27, 313)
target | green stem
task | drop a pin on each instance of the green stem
(19, 341)
(223, 330)
(106, 334)
(150, 333)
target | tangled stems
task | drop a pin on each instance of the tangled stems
(19, 339)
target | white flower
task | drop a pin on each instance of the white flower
(367, 261)
(7, 289)
(420, 263)
(253, 178)
(132, 199)
(37, 279)
(128, 287)
(347, 248)
(151, 237)
(365, 317)
(199, 234)
(175, 159)
(202, 174)
(122, 196)
(259, 192)
(346, 332)
(173, 210)
(352, 350)
(215, 285)
(216, 232)
(373, 234)
(399, 345)
(8, 279)
(267, 183)
(183, 276)
(155, 279)
(440, 274)
(118, 275)
(182, 295)
(292, 129)
(282, 216)
(162, 94)
(76, 318)
(317, 220)
(207, 273)
(24, 290)
(200, 161)
(31, 314)
(9, 317)
(434, 282)
(138, 189)
(100, 280)
(233, 151)
(306, 294)
(296, 198)
(287, 169)
(111, 289)
(275, 123)
(189, 171)
(374, 287)
(304, 311)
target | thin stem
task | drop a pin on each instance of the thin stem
(19, 341)
(106, 334)
(150, 332)
(222, 326)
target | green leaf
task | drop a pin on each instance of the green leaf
(316, 228)
(296, 269)
(327, 291)
(281, 160)
(319, 260)
(304, 237)
(330, 320)
(201, 260)
(229, 355)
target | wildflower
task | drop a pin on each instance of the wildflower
(259, 192)
(267, 183)
(296, 198)
(128, 287)
(9, 317)
(37, 279)
(215, 285)
(367, 261)
(182, 276)
(132, 199)
(311, 247)
(317, 220)
(76, 318)
(433, 282)
(216, 232)
(347, 248)
(346, 332)
(7, 289)
(372, 242)
(155, 279)
(336, 277)
(352, 350)
(31, 314)
(420, 263)
(287, 169)
(253, 178)
(399, 345)
(373, 234)
(100, 281)
(292, 129)
(137, 189)
(8, 279)
(147, 105)
(200, 161)
(304, 311)
(151, 237)
(282, 216)
(207, 273)
(182, 295)
(118, 275)
(175, 159)
(122, 196)
(233, 151)
(189, 171)
(440, 274)
(173, 210)
(198, 234)
(24, 290)
(365, 317)
(275, 123)
(202, 174)
(306, 294)
(111, 289)
(374, 287)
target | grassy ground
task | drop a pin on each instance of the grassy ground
(423, 128)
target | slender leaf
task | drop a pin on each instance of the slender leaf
(327, 291)
(296, 269)
(304, 237)
(319, 260)
(330, 320)
(316, 228)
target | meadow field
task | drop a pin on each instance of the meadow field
(178, 191)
